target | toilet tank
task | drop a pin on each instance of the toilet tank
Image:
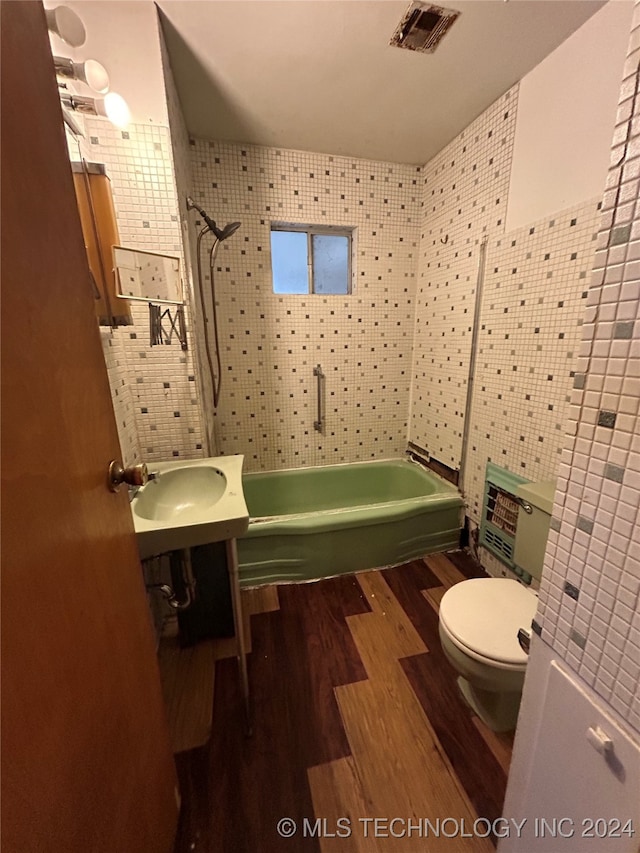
(534, 517)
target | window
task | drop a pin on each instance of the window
(310, 259)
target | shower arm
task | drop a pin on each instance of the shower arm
(215, 383)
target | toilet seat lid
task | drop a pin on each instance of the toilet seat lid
(485, 614)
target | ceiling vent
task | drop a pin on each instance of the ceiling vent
(423, 27)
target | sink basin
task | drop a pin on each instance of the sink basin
(181, 493)
(190, 503)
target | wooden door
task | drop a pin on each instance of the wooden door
(86, 761)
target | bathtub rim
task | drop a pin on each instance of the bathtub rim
(361, 515)
(398, 460)
(449, 491)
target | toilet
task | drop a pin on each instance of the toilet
(480, 619)
(479, 623)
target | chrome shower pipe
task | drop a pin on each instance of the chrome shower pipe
(216, 376)
(472, 362)
(210, 227)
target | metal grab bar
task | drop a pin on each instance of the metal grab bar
(319, 424)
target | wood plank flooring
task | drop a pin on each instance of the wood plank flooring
(187, 677)
(356, 716)
(188, 674)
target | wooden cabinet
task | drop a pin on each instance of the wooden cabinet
(100, 232)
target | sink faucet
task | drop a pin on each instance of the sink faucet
(133, 490)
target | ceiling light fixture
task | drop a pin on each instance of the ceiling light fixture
(90, 72)
(112, 106)
(64, 22)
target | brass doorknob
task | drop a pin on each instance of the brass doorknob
(135, 475)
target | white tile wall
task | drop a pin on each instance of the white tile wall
(270, 343)
(160, 379)
(121, 395)
(180, 146)
(594, 550)
(535, 287)
(464, 199)
(534, 296)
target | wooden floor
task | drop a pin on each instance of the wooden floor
(356, 715)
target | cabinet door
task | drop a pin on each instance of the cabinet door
(578, 799)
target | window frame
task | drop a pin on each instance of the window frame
(322, 231)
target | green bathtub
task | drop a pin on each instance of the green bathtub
(311, 523)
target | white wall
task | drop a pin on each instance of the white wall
(562, 160)
(124, 37)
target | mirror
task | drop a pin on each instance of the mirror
(147, 276)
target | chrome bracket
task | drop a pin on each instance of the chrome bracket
(160, 333)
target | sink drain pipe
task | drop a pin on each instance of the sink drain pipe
(189, 581)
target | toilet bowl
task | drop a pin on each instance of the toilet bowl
(479, 623)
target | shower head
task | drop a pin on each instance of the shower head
(220, 233)
(229, 229)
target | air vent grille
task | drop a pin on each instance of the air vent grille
(502, 510)
(500, 513)
(499, 545)
(423, 27)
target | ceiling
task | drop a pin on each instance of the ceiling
(320, 75)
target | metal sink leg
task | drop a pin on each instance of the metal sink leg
(234, 579)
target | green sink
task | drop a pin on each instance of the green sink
(190, 503)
